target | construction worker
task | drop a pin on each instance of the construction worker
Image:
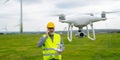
(51, 44)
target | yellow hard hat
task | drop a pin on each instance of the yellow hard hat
(50, 25)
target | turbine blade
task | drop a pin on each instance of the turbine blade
(6, 1)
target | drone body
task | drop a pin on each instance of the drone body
(80, 22)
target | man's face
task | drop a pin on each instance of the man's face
(51, 31)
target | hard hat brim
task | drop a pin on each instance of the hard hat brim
(51, 27)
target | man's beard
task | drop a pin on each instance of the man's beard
(51, 33)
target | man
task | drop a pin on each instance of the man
(51, 44)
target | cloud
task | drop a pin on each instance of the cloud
(64, 4)
(30, 1)
(35, 12)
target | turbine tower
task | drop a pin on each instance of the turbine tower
(21, 17)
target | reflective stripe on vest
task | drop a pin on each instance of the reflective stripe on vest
(51, 54)
(48, 49)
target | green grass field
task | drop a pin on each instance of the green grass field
(24, 47)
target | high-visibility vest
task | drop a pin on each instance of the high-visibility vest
(49, 45)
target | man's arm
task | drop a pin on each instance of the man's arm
(41, 41)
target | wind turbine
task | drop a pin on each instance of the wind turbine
(5, 28)
(6, 1)
(21, 15)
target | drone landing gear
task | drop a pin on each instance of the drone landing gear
(93, 32)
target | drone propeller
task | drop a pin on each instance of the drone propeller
(103, 14)
(91, 14)
(58, 15)
(112, 12)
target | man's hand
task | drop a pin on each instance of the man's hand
(59, 50)
(47, 33)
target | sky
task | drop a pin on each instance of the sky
(37, 13)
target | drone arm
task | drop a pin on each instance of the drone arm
(69, 33)
(93, 32)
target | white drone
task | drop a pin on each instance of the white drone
(80, 22)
